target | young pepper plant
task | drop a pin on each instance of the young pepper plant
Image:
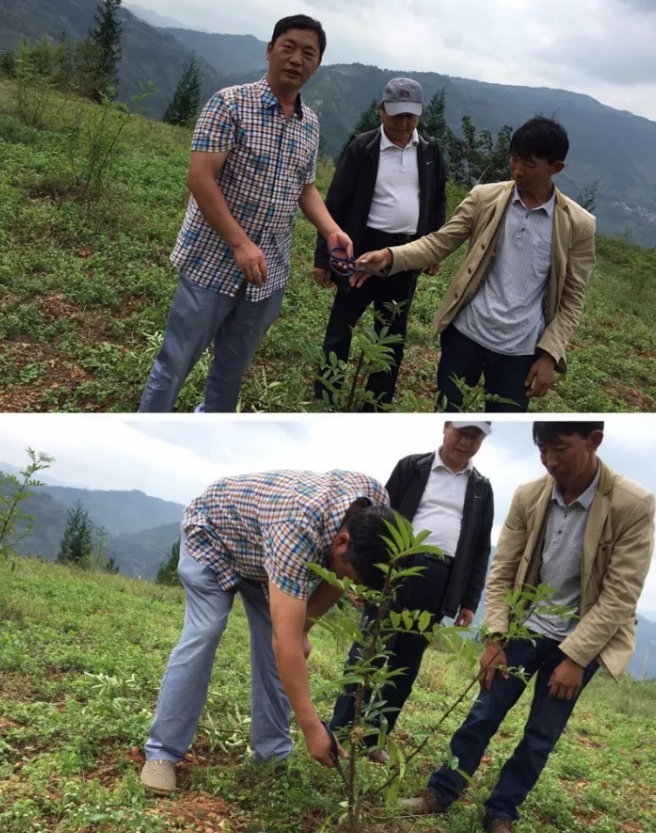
(370, 672)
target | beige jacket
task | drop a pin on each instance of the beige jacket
(617, 552)
(478, 219)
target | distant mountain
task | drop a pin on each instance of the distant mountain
(42, 476)
(148, 54)
(141, 529)
(141, 554)
(120, 512)
(648, 614)
(154, 19)
(230, 55)
(610, 146)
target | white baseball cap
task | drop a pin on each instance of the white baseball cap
(485, 427)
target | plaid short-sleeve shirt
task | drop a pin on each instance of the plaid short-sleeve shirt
(271, 525)
(270, 161)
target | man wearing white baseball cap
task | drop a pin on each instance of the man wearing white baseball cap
(444, 493)
(388, 189)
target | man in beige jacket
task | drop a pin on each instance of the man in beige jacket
(512, 308)
(588, 533)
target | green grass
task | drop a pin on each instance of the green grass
(85, 290)
(81, 659)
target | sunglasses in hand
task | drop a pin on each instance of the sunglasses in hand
(342, 264)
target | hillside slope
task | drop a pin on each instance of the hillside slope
(610, 146)
(81, 660)
(148, 54)
(88, 289)
(141, 529)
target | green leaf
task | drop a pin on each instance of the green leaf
(424, 621)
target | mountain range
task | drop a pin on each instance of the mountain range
(613, 147)
(141, 530)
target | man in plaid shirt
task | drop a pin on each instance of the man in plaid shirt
(253, 164)
(255, 535)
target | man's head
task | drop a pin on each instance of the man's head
(400, 108)
(462, 441)
(537, 152)
(568, 450)
(295, 50)
(358, 546)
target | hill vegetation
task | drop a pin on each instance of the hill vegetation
(81, 660)
(90, 203)
(140, 537)
(609, 146)
(149, 55)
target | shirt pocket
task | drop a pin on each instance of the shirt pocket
(542, 257)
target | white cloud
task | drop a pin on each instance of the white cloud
(600, 47)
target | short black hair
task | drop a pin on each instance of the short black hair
(366, 526)
(300, 21)
(541, 138)
(548, 432)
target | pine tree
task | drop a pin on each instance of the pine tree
(432, 121)
(168, 570)
(64, 63)
(369, 119)
(77, 543)
(588, 199)
(183, 108)
(111, 567)
(8, 63)
(106, 37)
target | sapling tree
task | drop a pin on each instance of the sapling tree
(474, 397)
(370, 672)
(15, 523)
(345, 384)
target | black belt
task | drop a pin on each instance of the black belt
(392, 239)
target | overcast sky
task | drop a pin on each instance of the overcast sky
(176, 459)
(604, 48)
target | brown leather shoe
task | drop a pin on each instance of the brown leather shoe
(423, 805)
(379, 756)
(497, 825)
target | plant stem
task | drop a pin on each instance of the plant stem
(356, 376)
(353, 800)
(449, 711)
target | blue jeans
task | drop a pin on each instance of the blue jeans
(546, 721)
(197, 317)
(183, 693)
(464, 358)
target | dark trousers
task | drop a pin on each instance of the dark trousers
(424, 592)
(504, 375)
(547, 719)
(349, 306)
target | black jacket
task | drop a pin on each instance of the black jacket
(352, 189)
(406, 487)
